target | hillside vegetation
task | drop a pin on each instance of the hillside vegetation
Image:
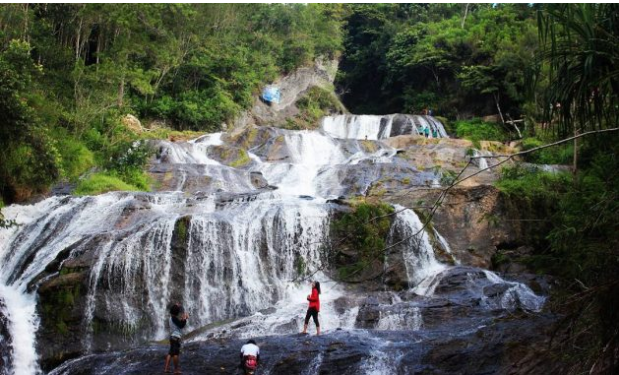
(69, 72)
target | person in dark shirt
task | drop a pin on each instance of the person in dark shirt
(178, 321)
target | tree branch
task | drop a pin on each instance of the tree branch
(546, 146)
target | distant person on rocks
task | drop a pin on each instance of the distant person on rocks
(434, 133)
(426, 132)
(250, 356)
(314, 307)
(177, 321)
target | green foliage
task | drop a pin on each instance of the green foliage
(407, 57)
(315, 104)
(301, 266)
(448, 177)
(365, 229)
(28, 156)
(195, 66)
(579, 45)
(75, 157)
(100, 183)
(4, 223)
(476, 130)
(181, 228)
(562, 154)
(532, 185)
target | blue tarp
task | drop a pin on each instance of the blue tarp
(271, 94)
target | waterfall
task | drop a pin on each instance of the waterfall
(374, 127)
(425, 272)
(191, 152)
(417, 250)
(481, 161)
(225, 249)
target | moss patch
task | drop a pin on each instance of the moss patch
(364, 231)
(100, 183)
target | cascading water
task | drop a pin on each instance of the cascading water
(372, 127)
(481, 161)
(231, 254)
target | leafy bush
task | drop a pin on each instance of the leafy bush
(316, 103)
(476, 130)
(532, 185)
(76, 158)
(365, 230)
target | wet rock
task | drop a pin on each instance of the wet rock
(370, 311)
(61, 304)
(504, 347)
(495, 290)
(258, 180)
(470, 219)
(6, 341)
(63, 188)
(231, 156)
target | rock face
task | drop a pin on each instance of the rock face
(470, 220)
(292, 88)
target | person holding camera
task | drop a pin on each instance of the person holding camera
(178, 320)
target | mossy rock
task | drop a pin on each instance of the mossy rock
(181, 230)
(229, 155)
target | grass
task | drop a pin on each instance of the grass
(100, 183)
(170, 134)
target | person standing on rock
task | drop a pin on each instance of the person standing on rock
(177, 321)
(314, 307)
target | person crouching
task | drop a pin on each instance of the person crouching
(177, 321)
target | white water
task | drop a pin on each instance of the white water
(418, 252)
(482, 162)
(375, 127)
(20, 305)
(358, 126)
(191, 152)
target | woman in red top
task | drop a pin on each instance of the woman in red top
(314, 307)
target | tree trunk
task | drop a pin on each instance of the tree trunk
(466, 12)
(121, 91)
(78, 40)
(498, 107)
(25, 36)
(575, 161)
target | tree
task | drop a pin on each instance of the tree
(581, 46)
